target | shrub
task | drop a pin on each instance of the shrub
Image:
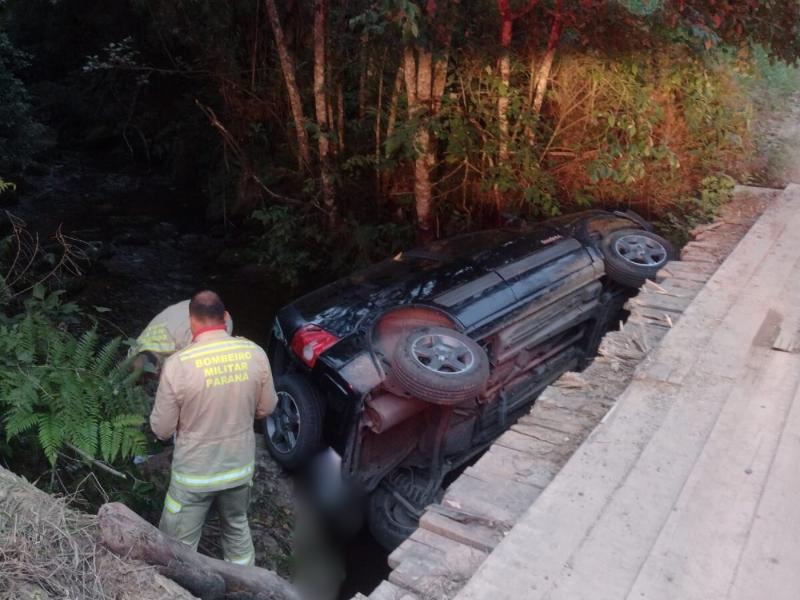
(300, 247)
(58, 389)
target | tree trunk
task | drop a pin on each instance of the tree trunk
(547, 62)
(532, 78)
(391, 120)
(417, 67)
(340, 115)
(504, 69)
(362, 76)
(541, 80)
(126, 534)
(439, 81)
(288, 69)
(321, 107)
(378, 127)
(425, 83)
(503, 154)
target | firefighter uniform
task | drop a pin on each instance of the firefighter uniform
(168, 332)
(209, 394)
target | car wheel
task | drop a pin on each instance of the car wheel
(634, 255)
(390, 522)
(440, 365)
(294, 429)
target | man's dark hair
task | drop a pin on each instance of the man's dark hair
(207, 306)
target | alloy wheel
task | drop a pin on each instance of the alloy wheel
(641, 250)
(283, 425)
(442, 354)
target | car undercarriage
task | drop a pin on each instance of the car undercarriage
(411, 368)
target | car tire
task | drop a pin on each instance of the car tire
(293, 431)
(390, 523)
(635, 255)
(440, 365)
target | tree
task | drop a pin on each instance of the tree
(321, 105)
(425, 76)
(773, 24)
(290, 79)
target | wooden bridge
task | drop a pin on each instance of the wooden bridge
(668, 469)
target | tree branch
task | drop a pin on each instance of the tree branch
(97, 463)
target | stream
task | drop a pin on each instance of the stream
(150, 246)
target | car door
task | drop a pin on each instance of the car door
(553, 278)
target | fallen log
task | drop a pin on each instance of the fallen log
(126, 534)
(49, 551)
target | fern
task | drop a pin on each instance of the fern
(26, 340)
(51, 436)
(57, 349)
(85, 438)
(58, 389)
(106, 440)
(19, 420)
(107, 357)
(84, 349)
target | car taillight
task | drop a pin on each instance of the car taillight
(311, 341)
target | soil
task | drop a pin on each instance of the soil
(778, 132)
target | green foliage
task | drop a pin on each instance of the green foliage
(684, 215)
(6, 186)
(19, 131)
(300, 247)
(769, 82)
(58, 389)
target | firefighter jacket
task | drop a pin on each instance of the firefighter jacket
(169, 331)
(209, 394)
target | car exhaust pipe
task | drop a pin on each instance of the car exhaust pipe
(387, 410)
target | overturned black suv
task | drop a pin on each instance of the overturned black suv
(411, 368)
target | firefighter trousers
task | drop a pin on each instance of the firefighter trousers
(185, 514)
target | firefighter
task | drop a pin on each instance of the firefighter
(167, 333)
(209, 394)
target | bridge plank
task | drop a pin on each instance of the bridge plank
(768, 565)
(701, 539)
(480, 537)
(389, 591)
(484, 493)
(568, 422)
(597, 524)
(660, 301)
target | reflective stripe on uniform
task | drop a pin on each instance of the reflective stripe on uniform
(155, 332)
(241, 560)
(155, 338)
(215, 347)
(172, 505)
(163, 347)
(240, 474)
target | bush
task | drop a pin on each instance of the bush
(59, 390)
(300, 247)
(683, 215)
